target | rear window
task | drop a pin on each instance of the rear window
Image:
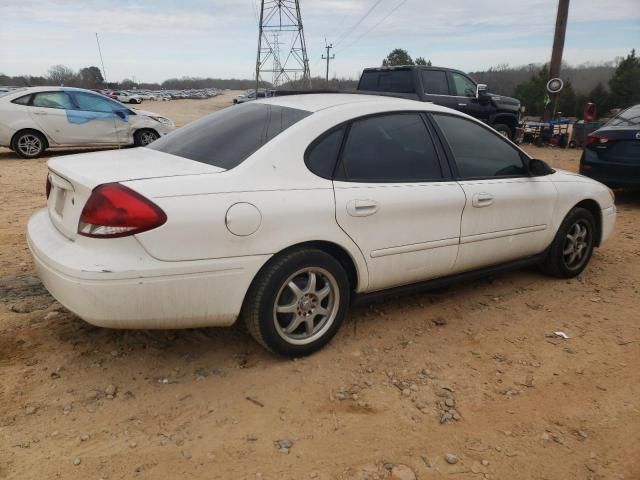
(228, 137)
(629, 118)
(399, 81)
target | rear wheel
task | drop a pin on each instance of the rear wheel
(29, 144)
(573, 245)
(297, 303)
(142, 138)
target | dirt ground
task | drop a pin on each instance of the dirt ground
(473, 371)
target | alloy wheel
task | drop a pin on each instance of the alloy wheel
(306, 305)
(147, 137)
(576, 245)
(29, 145)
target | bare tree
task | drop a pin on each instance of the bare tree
(62, 75)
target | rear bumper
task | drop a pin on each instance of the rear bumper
(610, 173)
(115, 283)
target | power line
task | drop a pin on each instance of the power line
(373, 27)
(347, 32)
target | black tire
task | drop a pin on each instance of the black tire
(504, 130)
(29, 144)
(144, 137)
(560, 261)
(272, 286)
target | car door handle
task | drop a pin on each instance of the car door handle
(482, 200)
(362, 208)
(40, 112)
(462, 104)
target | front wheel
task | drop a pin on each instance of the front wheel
(142, 138)
(297, 303)
(504, 130)
(573, 245)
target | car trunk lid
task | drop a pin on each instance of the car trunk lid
(73, 178)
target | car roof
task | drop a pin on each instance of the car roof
(314, 102)
(28, 90)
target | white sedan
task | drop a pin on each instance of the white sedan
(282, 211)
(34, 119)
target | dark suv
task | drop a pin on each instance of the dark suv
(449, 88)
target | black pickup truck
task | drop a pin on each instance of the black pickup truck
(449, 88)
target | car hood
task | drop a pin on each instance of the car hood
(508, 103)
(146, 113)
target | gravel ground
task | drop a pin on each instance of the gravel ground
(463, 383)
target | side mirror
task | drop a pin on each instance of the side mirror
(539, 168)
(482, 92)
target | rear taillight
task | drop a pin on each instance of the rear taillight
(114, 210)
(48, 187)
(597, 138)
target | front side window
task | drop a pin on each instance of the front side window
(228, 137)
(462, 86)
(479, 152)
(434, 82)
(52, 100)
(95, 103)
(390, 148)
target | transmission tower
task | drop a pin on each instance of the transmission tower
(283, 18)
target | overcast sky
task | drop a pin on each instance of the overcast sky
(152, 40)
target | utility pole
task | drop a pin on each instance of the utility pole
(558, 47)
(104, 73)
(328, 58)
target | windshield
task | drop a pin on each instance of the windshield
(628, 118)
(226, 138)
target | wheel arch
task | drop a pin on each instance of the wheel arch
(593, 207)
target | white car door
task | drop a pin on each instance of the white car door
(508, 213)
(103, 120)
(49, 110)
(393, 198)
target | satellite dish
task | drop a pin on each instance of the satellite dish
(555, 85)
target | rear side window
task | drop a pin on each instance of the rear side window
(434, 82)
(24, 100)
(322, 155)
(399, 81)
(226, 138)
(52, 100)
(478, 152)
(390, 148)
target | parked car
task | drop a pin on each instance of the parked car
(126, 97)
(34, 119)
(245, 97)
(449, 88)
(612, 153)
(284, 210)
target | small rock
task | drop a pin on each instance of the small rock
(51, 315)
(528, 382)
(582, 434)
(110, 390)
(451, 458)
(67, 408)
(84, 438)
(30, 410)
(186, 454)
(402, 472)
(91, 395)
(414, 387)
(450, 402)
(439, 321)
(388, 466)
(485, 463)
(406, 392)
(283, 444)
(579, 371)
(341, 395)
(354, 397)
(133, 444)
(77, 461)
